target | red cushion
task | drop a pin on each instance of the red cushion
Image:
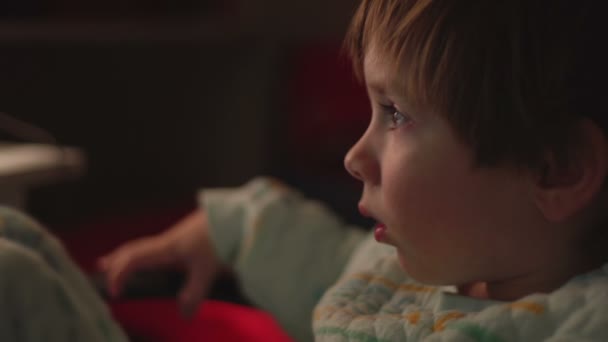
(160, 320)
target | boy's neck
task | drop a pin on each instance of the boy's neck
(544, 281)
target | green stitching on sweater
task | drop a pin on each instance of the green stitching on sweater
(475, 332)
(359, 336)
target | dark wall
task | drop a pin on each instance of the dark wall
(162, 104)
(156, 120)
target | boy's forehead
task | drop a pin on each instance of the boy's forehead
(375, 74)
(380, 73)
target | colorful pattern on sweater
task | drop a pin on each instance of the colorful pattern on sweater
(380, 303)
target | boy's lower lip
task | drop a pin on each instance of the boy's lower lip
(380, 232)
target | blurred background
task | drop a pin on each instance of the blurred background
(159, 98)
(165, 97)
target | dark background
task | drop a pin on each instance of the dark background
(166, 97)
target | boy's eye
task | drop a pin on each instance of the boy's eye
(394, 116)
(398, 118)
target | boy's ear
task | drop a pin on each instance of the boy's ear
(560, 192)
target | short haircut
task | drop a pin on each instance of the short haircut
(512, 77)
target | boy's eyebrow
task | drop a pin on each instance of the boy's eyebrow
(379, 81)
(376, 87)
(383, 89)
(378, 84)
(383, 86)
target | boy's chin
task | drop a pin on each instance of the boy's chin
(421, 274)
(409, 269)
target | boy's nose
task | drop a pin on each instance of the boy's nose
(360, 163)
(351, 164)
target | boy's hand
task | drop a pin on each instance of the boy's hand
(186, 245)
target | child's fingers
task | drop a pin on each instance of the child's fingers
(194, 291)
(132, 257)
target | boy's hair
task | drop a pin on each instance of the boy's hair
(512, 77)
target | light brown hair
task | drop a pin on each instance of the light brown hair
(512, 78)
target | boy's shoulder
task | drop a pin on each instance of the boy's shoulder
(576, 311)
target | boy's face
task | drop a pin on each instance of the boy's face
(451, 222)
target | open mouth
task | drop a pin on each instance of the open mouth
(380, 232)
(379, 228)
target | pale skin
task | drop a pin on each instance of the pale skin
(496, 233)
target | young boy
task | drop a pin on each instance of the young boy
(485, 164)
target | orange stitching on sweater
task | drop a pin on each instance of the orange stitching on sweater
(528, 306)
(442, 321)
(413, 317)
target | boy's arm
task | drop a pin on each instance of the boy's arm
(285, 249)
